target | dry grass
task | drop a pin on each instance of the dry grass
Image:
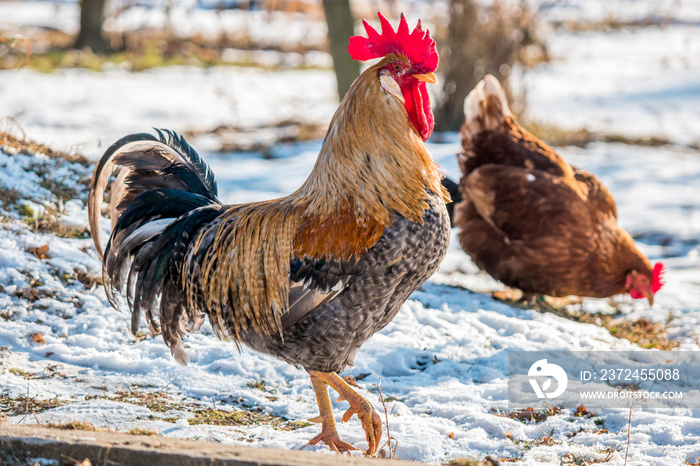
(529, 414)
(488, 461)
(218, 417)
(557, 136)
(48, 220)
(75, 425)
(23, 145)
(612, 23)
(150, 48)
(603, 457)
(262, 139)
(160, 403)
(643, 332)
(9, 197)
(10, 406)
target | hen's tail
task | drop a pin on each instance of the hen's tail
(485, 108)
(162, 195)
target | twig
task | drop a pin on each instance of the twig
(109, 426)
(26, 405)
(631, 404)
(11, 44)
(389, 438)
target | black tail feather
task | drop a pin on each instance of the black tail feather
(455, 194)
(166, 194)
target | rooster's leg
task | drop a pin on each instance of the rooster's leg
(358, 405)
(328, 434)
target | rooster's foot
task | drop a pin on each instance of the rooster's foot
(369, 418)
(329, 434)
(331, 438)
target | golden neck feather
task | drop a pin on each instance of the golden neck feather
(372, 160)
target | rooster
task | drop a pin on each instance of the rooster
(534, 222)
(309, 277)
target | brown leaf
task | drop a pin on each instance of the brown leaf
(509, 436)
(38, 338)
(39, 251)
(350, 380)
(452, 435)
(68, 461)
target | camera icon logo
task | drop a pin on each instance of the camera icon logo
(542, 368)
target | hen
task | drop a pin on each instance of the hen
(308, 277)
(534, 222)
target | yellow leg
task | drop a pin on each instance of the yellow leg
(358, 405)
(329, 434)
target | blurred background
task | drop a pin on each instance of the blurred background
(248, 74)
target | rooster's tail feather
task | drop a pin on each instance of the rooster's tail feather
(161, 198)
(148, 163)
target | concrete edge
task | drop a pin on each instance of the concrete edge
(112, 448)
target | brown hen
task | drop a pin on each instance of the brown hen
(534, 222)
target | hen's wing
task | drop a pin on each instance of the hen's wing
(599, 198)
(522, 204)
(527, 228)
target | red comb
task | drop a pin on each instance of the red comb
(657, 276)
(417, 46)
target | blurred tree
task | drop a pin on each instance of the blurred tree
(481, 40)
(341, 25)
(91, 20)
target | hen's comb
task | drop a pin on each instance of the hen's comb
(417, 46)
(657, 276)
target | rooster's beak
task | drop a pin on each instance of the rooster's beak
(426, 78)
(650, 297)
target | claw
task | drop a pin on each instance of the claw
(333, 441)
(372, 425)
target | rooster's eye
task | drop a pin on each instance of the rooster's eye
(397, 67)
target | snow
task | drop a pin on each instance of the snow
(443, 360)
(92, 110)
(635, 82)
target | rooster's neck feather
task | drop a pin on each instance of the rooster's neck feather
(372, 162)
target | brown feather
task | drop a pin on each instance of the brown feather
(336, 236)
(530, 219)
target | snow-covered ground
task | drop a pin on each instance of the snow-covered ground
(443, 360)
